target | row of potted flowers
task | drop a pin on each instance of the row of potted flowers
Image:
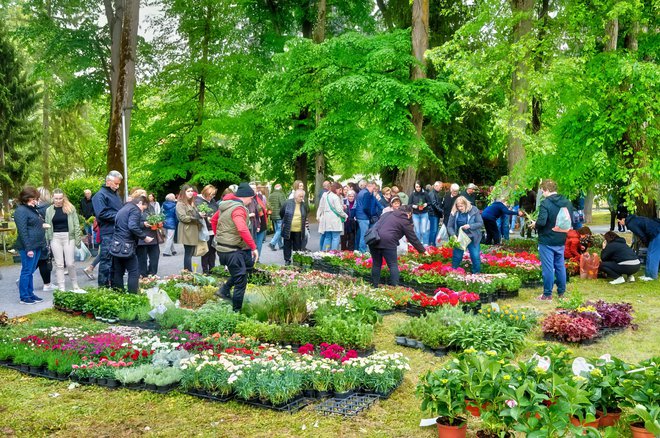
(550, 394)
(587, 321)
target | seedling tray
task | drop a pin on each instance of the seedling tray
(347, 407)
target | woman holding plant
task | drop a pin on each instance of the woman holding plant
(64, 236)
(189, 224)
(206, 203)
(465, 218)
(148, 254)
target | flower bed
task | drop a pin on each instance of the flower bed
(586, 322)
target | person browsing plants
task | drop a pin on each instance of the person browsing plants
(234, 244)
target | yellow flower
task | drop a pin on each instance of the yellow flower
(510, 316)
(596, 372)
(506, 377)
(470, 351)
(523, 317)
(501, 361)
(444, 381)
(491, 353)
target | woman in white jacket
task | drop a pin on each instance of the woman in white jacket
(331, 216)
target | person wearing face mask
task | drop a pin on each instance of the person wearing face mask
(189, 224)
(128, 231)
(30, 239)
(464, 216)
(236, 248)
(64, 236)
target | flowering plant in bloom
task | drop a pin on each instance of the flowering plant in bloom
(329, 351)
(444, 296)
(103, 369)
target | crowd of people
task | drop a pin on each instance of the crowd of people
(356, 216)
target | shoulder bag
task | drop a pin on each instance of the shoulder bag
(122, 250)
(341, 218)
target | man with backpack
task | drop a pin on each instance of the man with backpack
(553, 224)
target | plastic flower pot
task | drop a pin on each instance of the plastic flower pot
(473, 409)
(411, 342)
(638, 431)
(447, 431)
(343, 395)
(112, 383)
(400, 340)
(576, 422)
(419, 345)
(610, 418)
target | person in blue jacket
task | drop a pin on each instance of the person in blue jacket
(648, 231)
(106, 205)
(170, 224)
(367, 211)
(30, 239)
(490, 215)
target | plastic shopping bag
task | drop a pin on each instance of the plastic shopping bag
(589, 264)
(442, 235)
(402, 248)
(82, 253)
(463, 239)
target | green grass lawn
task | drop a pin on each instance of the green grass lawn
(29, 407)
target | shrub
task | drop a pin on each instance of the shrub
(613, 315)
(212, 318)
(75, 188)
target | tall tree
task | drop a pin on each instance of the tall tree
(18, 140)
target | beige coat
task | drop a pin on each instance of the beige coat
(188, 229)
(328, 220)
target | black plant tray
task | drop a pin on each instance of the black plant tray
(207, 396)
(292, 407)
(43, 374)
(347, 407)
(532, 284)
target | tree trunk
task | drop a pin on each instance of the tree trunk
(611, 35)
(45, 138)
(318, 37)
(537, 104)
(300, 169)
(387, 18)
(420, 44)
(123, 18)
(589, 205)
(519, 86)
(202, 80)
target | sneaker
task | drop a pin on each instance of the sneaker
(631, 279)
(544, 298)
(645, 278)
(77, 290)
(167, 255)
(272, 247)
(89, 272)
(222, 296)
(49, 287)
(27, 301)
(619, 280)
(36, 299)
(174, 253)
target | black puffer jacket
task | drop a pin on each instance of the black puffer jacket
(106, 205)
(392, 227)
(286, 213)
(618, 251)
(29, 226)
(419, 198)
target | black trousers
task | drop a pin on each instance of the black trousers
(492, 232)
(44, 271)
(377, 255)
(347, 241)
(188, 252)
(240, 264)
(148, 256)
(293, 243)
(121, 265)
(208, 259)
(615, 270)
(612, 220)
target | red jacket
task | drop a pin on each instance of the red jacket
(573, 246)
(239, 217)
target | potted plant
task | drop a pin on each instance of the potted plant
(442, 394)
(155, 221)
(648, 424)
(640, 391)
(131, 377)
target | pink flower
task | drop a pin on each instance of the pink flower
(511, 403)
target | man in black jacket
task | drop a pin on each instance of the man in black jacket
(127, 231)
(552, 241)
(391, 228)
(106, 205)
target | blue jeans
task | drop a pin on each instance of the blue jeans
(277, 237)
(322, 242)
(503, 223)
(105, 263)
(475, 256)
(421, 222)
(364, 227)
(653, 258)
(259, 240)
(331, 240)
(433, 229)
(553, 269)
(28, 266)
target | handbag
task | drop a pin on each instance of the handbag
(372, 237)
(202, 248)
(123, 250)
(49, 257)
(161, 235)
(82, 253)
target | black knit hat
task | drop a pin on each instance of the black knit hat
(244, 191)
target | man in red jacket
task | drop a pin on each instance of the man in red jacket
(233, 242)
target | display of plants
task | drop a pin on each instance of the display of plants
(564, 327)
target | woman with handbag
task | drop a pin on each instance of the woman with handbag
(465, 218)
(64, 236)
(331, 217)
(189, 224)
(129, 228)
(390, 228)
(30, 240)
(148, 254)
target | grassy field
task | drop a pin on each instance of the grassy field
(39, 407)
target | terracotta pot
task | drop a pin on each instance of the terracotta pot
(576, 422)
(638, 431)
(154, 227)
(473, 409)
(452, 431)
(610, 418)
